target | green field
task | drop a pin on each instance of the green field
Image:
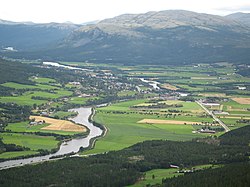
(41, 92)
(232, 106)
(126, 93)
(191, 107)
(195, 79)
(122, 106)
(22, 100)
(232, 123)
(33, 142)
(123, 129)
(237, 111)
(155, 176)
(18, 86)
(78, 100)
(43, 80)
(26, 98)
(190, 111)
(7, 155)
(50, 95)
(25, 86)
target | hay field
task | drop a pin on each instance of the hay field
(235, 117)
(242, 100)
(213, 94)
(59, 125)
(169, 87)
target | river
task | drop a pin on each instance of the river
(154, 84)
(55, 64)
(71, 146)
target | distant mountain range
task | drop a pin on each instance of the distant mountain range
(29, 36)
(165, 37)
(244, 18)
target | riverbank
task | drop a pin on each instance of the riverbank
(72, 146)
(103, 127)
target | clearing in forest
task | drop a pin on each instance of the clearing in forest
(159, 121)
(60, 125)
(242, 100)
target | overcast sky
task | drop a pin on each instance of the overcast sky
(80, 11)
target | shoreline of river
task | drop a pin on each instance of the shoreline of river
(96, 131)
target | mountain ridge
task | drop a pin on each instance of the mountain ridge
(171, 36)
(240, 17)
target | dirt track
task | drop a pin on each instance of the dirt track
(159, 121)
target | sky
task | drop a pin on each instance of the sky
(81, 11)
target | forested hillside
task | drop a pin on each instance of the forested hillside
(14, 71)
(231, 175)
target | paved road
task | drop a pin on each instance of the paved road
(215, 118)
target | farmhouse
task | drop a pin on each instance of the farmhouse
(44, 114)
(32, 123)
(242, 87)
(219, 112)
(85, 95)
(174, 166)
(185, 171)
(211, 104)
(206, 131)
(75, 83)
(182, 94)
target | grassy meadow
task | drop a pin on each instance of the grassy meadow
(28, 97)
(31, 141)
(155, 176)
(124, 130)
(14, 154)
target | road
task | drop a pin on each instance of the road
(215, 118)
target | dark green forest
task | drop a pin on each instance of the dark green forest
(12, 112)
(125, 167)
(231, 175)
(13, 71)
(244, 71)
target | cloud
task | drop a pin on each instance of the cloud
(242, 8)
(79, 11)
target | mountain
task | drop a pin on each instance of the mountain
(173, 36)
(165, 37)
(28, 36)
(240, 17)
